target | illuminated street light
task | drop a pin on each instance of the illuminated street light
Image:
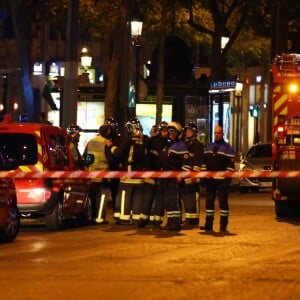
(136, 32)
(136, 27)
(86, 59)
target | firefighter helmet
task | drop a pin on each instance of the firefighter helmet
(134, 125)
(111, 122)
(176, 126)
(73, 129)
(162, 125)
(192, 125)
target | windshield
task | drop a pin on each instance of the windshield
(259, 151)
(21, 147)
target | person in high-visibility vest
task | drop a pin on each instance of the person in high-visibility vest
(100, 188)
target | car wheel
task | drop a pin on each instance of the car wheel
(86, 217)
(287, 209)
(11, 230)
(54, 221)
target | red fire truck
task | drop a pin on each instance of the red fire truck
(286, 132)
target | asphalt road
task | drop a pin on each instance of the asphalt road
(258, 259)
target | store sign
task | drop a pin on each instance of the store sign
(222, 85)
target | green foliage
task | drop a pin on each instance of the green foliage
(98, 18)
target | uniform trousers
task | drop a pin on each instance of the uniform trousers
(214, 187)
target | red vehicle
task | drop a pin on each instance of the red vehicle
(9, 213)
(286, 132)
(42, 147)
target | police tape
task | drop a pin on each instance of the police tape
(146, 174)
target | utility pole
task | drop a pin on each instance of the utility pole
(68, 109)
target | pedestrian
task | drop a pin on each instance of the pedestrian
(218, 156)
(190, 187)
(100, 188)
(175, 157)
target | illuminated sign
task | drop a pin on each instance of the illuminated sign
(221, 85)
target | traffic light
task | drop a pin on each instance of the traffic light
(254, 111)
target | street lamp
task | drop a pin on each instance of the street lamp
(136, 25)
(86, 59)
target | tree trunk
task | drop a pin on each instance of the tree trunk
(22, 27)
(112, 109)
(161, 65)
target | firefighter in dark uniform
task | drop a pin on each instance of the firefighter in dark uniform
(175, 157)
(190, 187)
(113, 141)
(73, 132)
(218, 156)
(131, 192)
(155, 145)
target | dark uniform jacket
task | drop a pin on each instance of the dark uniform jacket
(219, 156)
(155, 145)
(196, 153)
(175, 156)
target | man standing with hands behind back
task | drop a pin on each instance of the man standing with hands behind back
(218, 156)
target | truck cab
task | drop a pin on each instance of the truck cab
(41, 147)
(286, 133)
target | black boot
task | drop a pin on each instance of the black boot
(223, 223)
(191, 222)
(172, 224)
(175, 224)
(209, 220)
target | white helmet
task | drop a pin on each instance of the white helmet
(176, 126)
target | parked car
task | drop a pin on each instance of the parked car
(43, 147)
(9, 213)
(257, 158)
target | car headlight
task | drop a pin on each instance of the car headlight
(245, 167)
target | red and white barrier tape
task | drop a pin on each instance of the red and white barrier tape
(146, 174)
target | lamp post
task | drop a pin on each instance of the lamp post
(136, 26)
(256, 115)
(224, 41)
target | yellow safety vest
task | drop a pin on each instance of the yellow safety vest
(96, 146)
